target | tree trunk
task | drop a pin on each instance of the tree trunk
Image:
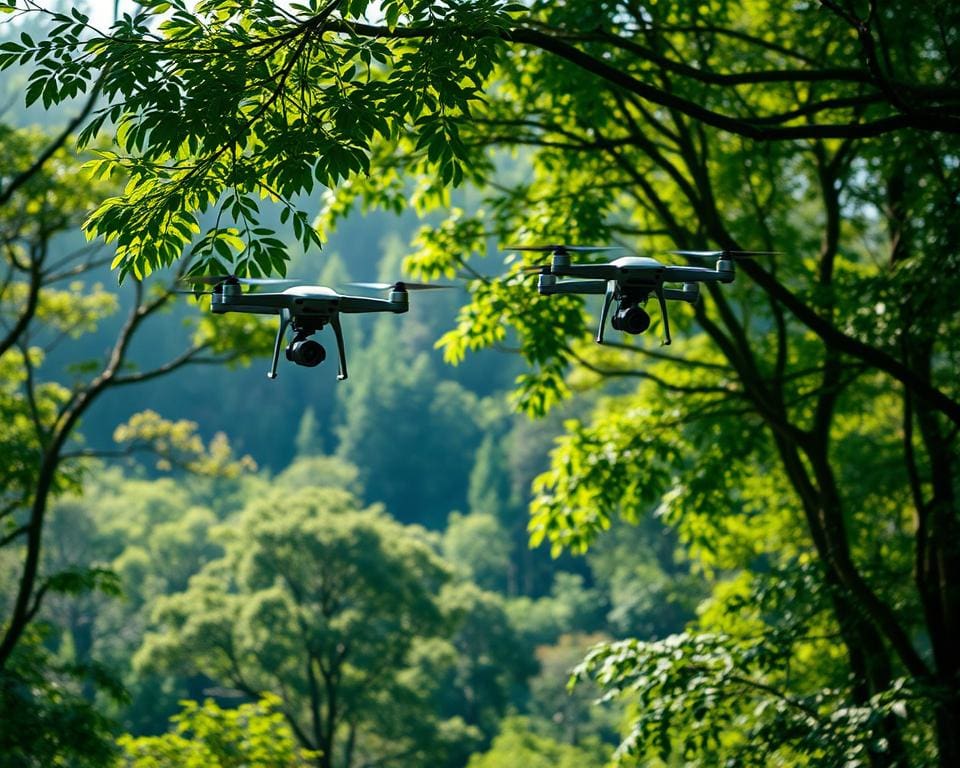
(938, 577)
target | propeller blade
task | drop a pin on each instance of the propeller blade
(401, 285)
(535, 267)
(562, 248)
(194, 293)
(267, 280)
(725, 254)
(217, 279)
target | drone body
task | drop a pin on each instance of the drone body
(305, 309)
(630, 281)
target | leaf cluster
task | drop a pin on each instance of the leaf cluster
(218, 107)
(177, 444)
(712, 698)
(204, 734)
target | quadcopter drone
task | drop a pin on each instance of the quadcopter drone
(630, 280)
(305, 309)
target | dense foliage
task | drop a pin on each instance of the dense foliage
(207, 736)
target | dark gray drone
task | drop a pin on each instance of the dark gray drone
(305, 309)
(630, 281)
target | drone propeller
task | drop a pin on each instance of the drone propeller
(400, 285)
(218, 279)
(725, 254)
(557, 250)
(563, 248)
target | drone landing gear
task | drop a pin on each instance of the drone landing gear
(303, 350)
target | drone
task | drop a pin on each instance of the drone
(630, 281)
(305, 309)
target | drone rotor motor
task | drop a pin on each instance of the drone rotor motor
(546, 281)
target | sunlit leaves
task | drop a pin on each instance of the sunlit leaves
(712, 699)
(205, 735)
(621, 464)
(177, 444)
(75, 310)
(23, 423)
(520, 743)
(56, 75)
(227, 101)
(227, 105)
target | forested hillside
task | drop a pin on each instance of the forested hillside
(498, 542)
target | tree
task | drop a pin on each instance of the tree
(382, 426)
(489, 488)
(518, 744)
(326, 471)
(668, 124)
(151, 535)
(491, 660)
(513, 452)
(570, 607)
(43, 415)
(650, 588)
(308, 441)
(206, 736)
(477, 545)
(46, 720)
(319, 602)
(48, 300)
(569, 716)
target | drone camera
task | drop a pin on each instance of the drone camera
(631, 320)
(306, 352)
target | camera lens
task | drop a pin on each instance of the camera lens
(630, 320)
(306, 352)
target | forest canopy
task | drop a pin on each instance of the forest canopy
(798, 440)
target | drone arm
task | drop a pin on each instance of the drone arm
(690, 295)
(571, 286)
(251, 303)
(341, 350)
(590, 271)
(661, 297)
(605, 309)
(284, 322)
(699, 274)
(357, 304)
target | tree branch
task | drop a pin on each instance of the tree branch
(834, 337)
(24, 176)
(940, 122)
